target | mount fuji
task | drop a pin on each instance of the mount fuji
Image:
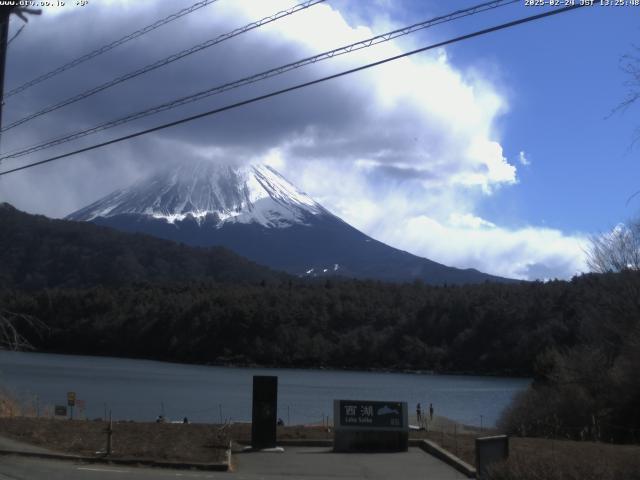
(256, 212)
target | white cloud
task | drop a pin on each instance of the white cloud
(467, 220)
(523, 159)
(525, 253)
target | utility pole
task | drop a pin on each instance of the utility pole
(109, 432)
(5, 14)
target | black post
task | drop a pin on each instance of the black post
(109, 435)
(265, 410)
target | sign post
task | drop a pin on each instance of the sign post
(365, 425)
(490, 450)
(110, 436)
(60, 411)
(71, 401)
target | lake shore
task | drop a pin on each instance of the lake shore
(141, 390)
(339, 368)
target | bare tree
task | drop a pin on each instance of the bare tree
(616, 251)
(630, 65)
(11, 325)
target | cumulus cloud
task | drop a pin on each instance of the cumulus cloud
(406, 151)
(524, 253)
(467, 220)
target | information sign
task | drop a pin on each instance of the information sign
(371, 414)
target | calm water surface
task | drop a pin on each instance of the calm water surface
(142, 389)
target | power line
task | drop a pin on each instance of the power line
(299, 86)
(110, 46)
(262, 76)
(13, 37)
(165, 61)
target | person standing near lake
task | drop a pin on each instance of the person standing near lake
(431, 411)
(419, 413)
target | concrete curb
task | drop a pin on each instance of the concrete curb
(216, 467)
(306, 443)
(295, 442)
(447, 457)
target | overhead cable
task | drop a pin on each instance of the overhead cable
(110, 46)
(261, 76)
(298, 86)
(13, 37)
(164, 61)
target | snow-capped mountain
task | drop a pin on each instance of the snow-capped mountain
(257, 213)
(208, 191)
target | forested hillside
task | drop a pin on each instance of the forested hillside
(38, 252)
(488, 328)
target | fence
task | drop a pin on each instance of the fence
(31, 405)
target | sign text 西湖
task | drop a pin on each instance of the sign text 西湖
(371, 414)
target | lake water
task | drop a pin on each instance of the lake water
(143, 389)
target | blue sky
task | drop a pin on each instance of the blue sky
(565, 78)
(423, 154)
(562, 78)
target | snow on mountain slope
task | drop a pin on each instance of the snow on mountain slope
(206, 190)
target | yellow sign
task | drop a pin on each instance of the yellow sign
(71, 398)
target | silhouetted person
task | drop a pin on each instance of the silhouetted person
(419, 413)
(431, 411)
(185, 420)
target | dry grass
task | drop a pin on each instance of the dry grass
(158, 441)
(545, 459)
(8, 405)
(537, 459)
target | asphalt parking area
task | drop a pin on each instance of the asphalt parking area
(320, 463)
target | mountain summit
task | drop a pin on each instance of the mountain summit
(256, 212)
(208, 192)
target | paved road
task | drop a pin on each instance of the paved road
(298, 463)
(23, 468)
(15, 445)
(322, 463)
